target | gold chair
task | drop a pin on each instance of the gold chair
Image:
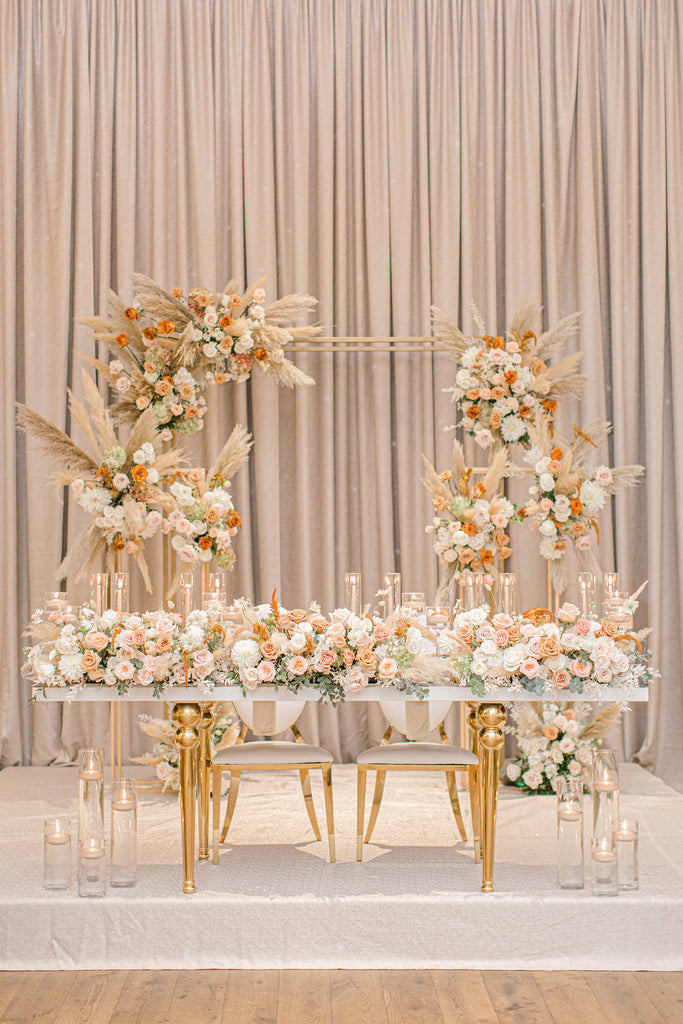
(416, 719)
(265, 718)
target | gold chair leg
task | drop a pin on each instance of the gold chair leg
(455, 804)
(329, 810)
(216, 780)
(376, 801)
(308, 797)
(362, 776)
(475, 807)
(232, 800)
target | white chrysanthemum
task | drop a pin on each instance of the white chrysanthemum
(512, 428)
(70, 667)
(592, 496)
(548, 549)
(245, 654)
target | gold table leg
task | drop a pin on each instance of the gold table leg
(185, 718)
(491, 720)
(203, 776)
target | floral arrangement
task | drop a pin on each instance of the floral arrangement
(168, 347)
(503, 383)
(554, 739)
(120, 486)
(203, 518)
(470, 519)
(566, 495)
(164, 756)
(535, 654)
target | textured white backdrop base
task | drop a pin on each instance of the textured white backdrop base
(274, 901)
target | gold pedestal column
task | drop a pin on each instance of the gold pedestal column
(185, 718)
(203, 775)
(491, 720)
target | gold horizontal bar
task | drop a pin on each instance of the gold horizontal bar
(368, 345)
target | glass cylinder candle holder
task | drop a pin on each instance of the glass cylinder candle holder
(474, 591)
(186, 593)
(569, 832)
(588, 593)
(625, 838)
(90, 794)
(99, 591)
(605, 793)
(232, 613)
(604, 867)
(71, 613)
(57, 860)
(615, 609)
(55, 602)
(217, 582)
(352, 595)
(437, 618)
(413, 602)
(213, 601)
(392, 590)
(91, 867)
(506, 593)
(124, 832)
(119, 592)
(610, 583)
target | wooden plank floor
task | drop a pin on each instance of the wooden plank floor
(340, 997)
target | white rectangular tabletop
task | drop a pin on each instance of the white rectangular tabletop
(374, 692)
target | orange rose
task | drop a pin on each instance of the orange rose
(139, 473)
(319, 623)
(260, 354)
(177, 293)
(510, 376)
(466, 555)
(225, 321)
(549, 647)
(150, 333)
(477, 490)
(165, 327)
(205, 542)
(269, 650)
(550, 405)
(495, 420)
(473, 412)
(220, 378)
(556, 454)
(234, 521)
(469, 528)
(497, 342)
(486, 555)
(123, 339)
(464, 633)
(118, 543)
(131, 313)
(191, 411)
(576, 506)
(551, 732)
(497, 392)
(524, 411)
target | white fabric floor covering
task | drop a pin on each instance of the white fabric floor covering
(274, 901)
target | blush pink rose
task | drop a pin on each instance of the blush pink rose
(265, 670)
(583, 626)
(387, 668)
(501, 637)
(326, 658)
(530, 668)
(336, 634)
(382, 632)
(97, 640)
(534, 647)
(502, 621)
(561, 679)
(124, 670)
(581, 669)
(298, 666)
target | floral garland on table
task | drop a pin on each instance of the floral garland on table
(554, 739)
(525, 653)
(168, 347)
(567, 496)
(165, 756)
(470, 521)
(120, 486)
(504, 383)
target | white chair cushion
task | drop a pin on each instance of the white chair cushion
(261, 752)
(417, 753)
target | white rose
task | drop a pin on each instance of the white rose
(244, 344)
(513, 772)
(513, 657)
(477, 616)
(584, 755)
(532, 778)
(542, 466)
(561, 508)
(547, 482)
(123, 384)
(603, 476)
(548, 528)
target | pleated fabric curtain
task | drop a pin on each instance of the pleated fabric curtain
(384, 155)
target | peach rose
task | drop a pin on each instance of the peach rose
(326, 658)
(501, 638)
(551, 732)
(495, 419)
(348, 656)
(549, 647)
(319, 623)
(163, 387)
(561, 679)
(96, 675)
(164, 643)
(530, 668)
(89, 661)
(336, 634)
(464, 633)
(366, 658)
(124, 670)
(581, 669)
(382, 632)
(297, 615)
(297, 666)
(265, 670)
(502, 621)
(186, 391)
(387, 668)
(583, 626)
(269, 650)
(98, 641)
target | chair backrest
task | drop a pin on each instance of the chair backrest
(415, 718)
(267, 717)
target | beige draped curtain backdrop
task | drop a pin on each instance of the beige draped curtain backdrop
(384, 155)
